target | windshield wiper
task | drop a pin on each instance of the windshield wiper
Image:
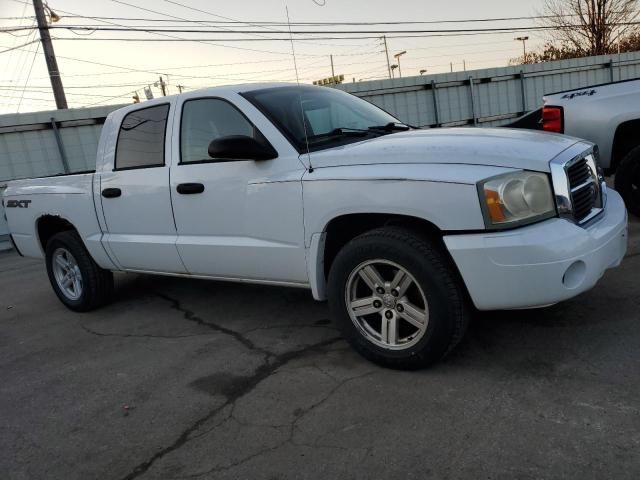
(342, 132)
(391, 127)
(359, 132)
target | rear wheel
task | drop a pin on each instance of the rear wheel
(76, 279)
(397, 299)
(627, 180)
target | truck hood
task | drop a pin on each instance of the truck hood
(500, 147)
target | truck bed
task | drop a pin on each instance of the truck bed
(67, 197)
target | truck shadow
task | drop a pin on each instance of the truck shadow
(538, 342)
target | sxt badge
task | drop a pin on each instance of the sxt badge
(18, 203)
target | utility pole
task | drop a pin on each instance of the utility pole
(451, 66)
(163, 87)
(49, 55)
(333, 73)
(464, 65)
(180, 87)
(386, 51)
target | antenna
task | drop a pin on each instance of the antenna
(295, 66)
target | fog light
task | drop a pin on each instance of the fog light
(574, 275)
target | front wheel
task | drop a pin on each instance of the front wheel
(76, 279)
(397, 299)
(627, 181)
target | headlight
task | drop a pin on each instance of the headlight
(516, 199)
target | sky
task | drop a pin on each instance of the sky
(97, 71)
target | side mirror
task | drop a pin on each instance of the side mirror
(241, 147)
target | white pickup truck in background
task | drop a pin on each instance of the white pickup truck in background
(401, 229)
(609, 116)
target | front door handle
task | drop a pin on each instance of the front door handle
(111, 192)
(190, 188)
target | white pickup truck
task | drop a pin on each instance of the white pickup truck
(403, 230)
(609, 116)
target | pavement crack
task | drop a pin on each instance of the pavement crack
(139, 335)
(272, 362)
(237, 463)
(293, 426)
(297, 326)
(192, 317)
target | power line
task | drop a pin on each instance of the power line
(20, 52)
(298, 39)
(18, 18)
(35, 54)
(191, 40)
(203, 11)
(128, 28)
(231, 21)
(38, 90)
(352, 35)
(19, 46)
(186, 67)
(310, 32)
(231, 77)
(111, 98)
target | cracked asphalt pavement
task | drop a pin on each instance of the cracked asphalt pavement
(182, 379)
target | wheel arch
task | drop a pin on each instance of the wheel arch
(625, 139)
(49, 225)
(343, 228)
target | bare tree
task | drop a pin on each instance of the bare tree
(590, 27)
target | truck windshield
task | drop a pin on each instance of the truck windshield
(332, 117)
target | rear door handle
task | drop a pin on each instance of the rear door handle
(111, 192)
(190, 188)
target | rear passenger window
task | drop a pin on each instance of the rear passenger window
(141, 138)
(204, 120)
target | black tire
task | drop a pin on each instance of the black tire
(627, 181)
(97, 283)
(427, 262)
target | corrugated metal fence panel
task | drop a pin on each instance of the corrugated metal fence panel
(32, 150)
(4, 230)
(29, 154)
(80, 146)
(498, 92)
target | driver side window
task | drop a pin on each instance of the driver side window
(206, 119)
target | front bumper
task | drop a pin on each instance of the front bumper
(540, 264)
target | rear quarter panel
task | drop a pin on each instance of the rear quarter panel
(69, 197)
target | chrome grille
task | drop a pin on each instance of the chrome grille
(578, 173)
(580, 190)
(583, 186)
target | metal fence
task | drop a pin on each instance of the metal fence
(62, 141)
(492, 96)
(48, 143)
